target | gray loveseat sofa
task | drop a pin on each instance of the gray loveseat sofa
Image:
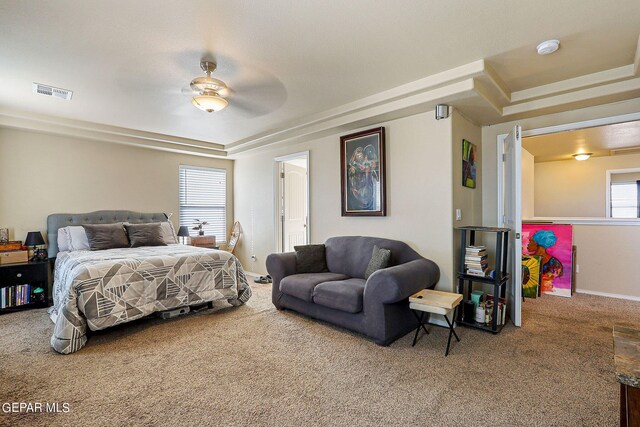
(376, 307)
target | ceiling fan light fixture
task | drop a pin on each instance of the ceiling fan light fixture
(209, 101)
(200, 84)
(582, 156)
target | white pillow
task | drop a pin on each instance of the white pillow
(77, 237)
(63, 240)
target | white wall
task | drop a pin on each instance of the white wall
(528, 184)
(570, 188)
(419, 193)
(42, 174)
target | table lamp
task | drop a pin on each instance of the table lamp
(34, 239)
(183, 232)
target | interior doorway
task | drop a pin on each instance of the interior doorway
(566, 190)
(292, 201)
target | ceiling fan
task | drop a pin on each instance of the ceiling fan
(208, 91)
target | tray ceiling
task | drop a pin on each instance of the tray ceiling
(298, 68)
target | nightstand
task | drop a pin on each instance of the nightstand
(24, 286)
(204, 242)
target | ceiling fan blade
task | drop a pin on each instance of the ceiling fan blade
(257, 99)
(187, 91)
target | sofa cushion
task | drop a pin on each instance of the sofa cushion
(343, 295)
(301, 285)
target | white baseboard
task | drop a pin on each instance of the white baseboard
(608, 295)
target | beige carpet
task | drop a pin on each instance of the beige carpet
(254, 365)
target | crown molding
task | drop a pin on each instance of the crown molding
(113, 134)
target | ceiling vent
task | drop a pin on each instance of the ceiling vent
(628, 150)
(56, 92)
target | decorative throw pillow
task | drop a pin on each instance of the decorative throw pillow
(106, 236)
(379, 259)
(145, 234)
(310, 259)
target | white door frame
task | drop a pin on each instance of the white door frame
(277, 196)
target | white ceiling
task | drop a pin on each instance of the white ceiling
(599, 140)
(127, 61)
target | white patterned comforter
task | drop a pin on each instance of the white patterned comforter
(100, 289)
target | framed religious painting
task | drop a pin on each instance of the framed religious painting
(362, 167)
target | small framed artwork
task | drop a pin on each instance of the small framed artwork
(362, 167)
(468, 164)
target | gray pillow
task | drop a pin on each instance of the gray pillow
(106, 236)
(379, 259)
(145, 234)
(310, 259)
(168, 232)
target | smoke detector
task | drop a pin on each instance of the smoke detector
(56, 92)
(550, 46)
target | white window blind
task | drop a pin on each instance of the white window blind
(203, 196)
(624, 200)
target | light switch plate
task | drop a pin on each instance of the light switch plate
(458, 214)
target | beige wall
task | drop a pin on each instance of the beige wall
(528, 184)
(625, 238)
(419, 195)
(469, 200)
(43, 174)
(608, 258)
(569, 188)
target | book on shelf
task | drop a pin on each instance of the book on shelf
(476, 273)
(14, 296)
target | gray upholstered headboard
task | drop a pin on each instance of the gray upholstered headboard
(59, 220)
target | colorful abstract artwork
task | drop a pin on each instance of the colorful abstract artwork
(469, 157)
(530, 276)
(363, 173)
(552, 243)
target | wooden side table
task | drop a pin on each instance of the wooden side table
(437, 302)
(204, 242)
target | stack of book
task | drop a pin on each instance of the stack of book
(13, 296)
(475, 261)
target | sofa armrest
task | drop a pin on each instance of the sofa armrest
(280, 266)
(397, 283)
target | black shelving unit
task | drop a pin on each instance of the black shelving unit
(498, 282)
(35, 273)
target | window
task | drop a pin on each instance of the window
(624, 194)
(203, 196)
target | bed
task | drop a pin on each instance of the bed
(103, 288)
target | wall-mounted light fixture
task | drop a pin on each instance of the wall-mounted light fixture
(582, 156)
(442, 111)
